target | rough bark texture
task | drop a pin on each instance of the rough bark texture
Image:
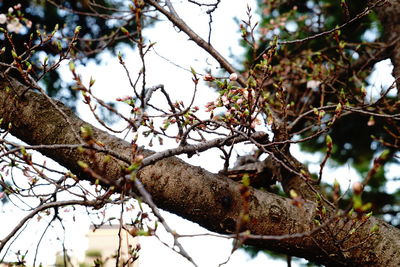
(389, 15)
(209, 199)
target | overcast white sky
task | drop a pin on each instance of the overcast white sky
(111, 83)
(176, 47)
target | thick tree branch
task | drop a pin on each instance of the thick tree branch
(209, 199)
(178, 22)
(389, 15)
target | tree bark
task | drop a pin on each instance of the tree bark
(389, 16)
(208, 199)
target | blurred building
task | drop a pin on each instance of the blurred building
(104, 243)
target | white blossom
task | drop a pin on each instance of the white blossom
(14, 25)
(225, 100)
(313, 84)
(233, 77)
(3, 18)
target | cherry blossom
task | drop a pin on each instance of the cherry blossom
(3, 18)
(233, 77)
(14, 25)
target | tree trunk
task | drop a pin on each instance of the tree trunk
(389, 15)
(208, 199)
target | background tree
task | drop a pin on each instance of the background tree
(100, 24)
(304, 80)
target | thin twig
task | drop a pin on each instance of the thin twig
(178, 22)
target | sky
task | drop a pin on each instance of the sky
(175, 46)
(111, 83)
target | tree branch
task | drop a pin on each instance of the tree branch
(40, 208)
(388, 14)
(178, 22)
(208, 199)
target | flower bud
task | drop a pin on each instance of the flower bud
(357, 188)
(233, 77)
(208, 78)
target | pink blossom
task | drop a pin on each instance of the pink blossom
(139, 157)
(208, 78)
(357, 188)
(210, 108)
(28, 23)
(124, 98)
(14, 25)
(225, 100)
(233, 76)
(209, 104)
